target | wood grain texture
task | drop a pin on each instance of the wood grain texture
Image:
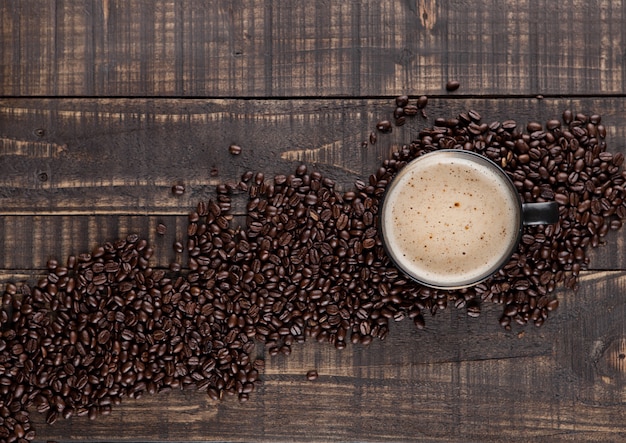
(317, 48)
(105, 104)
(29, 242)
(123, 155)
(109, 164)
(460, 380)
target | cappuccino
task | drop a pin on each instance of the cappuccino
(450, 219)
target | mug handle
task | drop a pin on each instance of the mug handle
(544, 213)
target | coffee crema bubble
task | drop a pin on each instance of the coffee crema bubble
(450, 220)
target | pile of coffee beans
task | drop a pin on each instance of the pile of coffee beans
(307, 263)
(404, 109)
(563, 160)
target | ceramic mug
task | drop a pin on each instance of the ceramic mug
(452, 218)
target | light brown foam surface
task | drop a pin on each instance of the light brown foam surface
(449, 220)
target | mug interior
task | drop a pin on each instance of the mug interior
(446, 155)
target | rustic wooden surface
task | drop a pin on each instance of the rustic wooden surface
(105, 104)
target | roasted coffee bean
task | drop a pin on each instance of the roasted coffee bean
(234, 149)
(473, 308)
(311, 375)
(178, 189)
(422, 101)
(553, 124)
(509, 125)
(104, 336)
(452, 85)
(410, 110)
(419, 322)
(384, 126)
(309, 263)
(474, 116)
(567, 116)
(400, 121)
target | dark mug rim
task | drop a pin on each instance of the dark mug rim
(505, 257)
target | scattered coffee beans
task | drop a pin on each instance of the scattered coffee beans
(404, 109)
(161, 229)
(308, 263)
(564, 162)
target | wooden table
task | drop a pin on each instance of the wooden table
(105, 104)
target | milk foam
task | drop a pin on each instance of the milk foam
(449, 220)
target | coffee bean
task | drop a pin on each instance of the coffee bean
(419, 322)
(474, 116)
(553, 124)
(178, 189)
(308, 264)
(234, 149)
(473, 308)
(384, 126)
(509, 125)
(422, 101)
(452, 85)
(161, 229)
(567, 116)
(104, 336)
(410, 110)
(402, 101)
(311, 375)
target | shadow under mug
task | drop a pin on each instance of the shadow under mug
(451, 218)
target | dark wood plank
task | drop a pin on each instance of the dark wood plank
(129, 98)
(137, 149)
(460, 380)
(28, 242)
(123, 155)
(264, 49)
(112, 163)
